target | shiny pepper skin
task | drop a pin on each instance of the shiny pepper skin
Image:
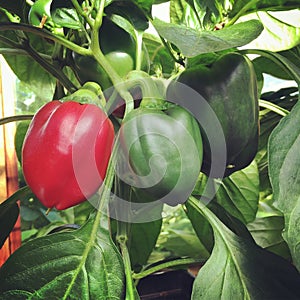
(66, 152)
(230, 87)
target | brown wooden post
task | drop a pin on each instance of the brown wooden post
(8, 160)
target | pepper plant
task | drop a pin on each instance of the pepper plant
(138, 121)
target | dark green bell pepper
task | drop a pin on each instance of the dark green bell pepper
(230, 88)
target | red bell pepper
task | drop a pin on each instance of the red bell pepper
(66, 152)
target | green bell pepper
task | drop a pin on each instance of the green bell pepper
(161, 151)
(230, 88)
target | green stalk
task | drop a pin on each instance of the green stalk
(165, 265)
(123, 229)
(273, 107)
(45, 34)
(81, 12)
(15, 119)
(101, 59)
(241, 12)
(128, 272)
(139, 45)
(11, 51)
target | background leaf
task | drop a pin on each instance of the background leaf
(277, 35)
(239, 193)
(82, 264)
(284, 165)
(267, 233)
(192, 42)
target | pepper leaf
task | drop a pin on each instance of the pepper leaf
(240, 269)
(82, 264)
(284, 164)
(192, 42)
(8, 216)
(9, 212)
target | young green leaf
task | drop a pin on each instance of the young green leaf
(192, 42)
(82, 264)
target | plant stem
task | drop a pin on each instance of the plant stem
(15, 119)
(122, 237)
(45, 34)
(101, 59)
(127, 265)
(241, 12)
(273, 107)
(10, 51)
(81, 12)
(165, 265)
(139, 45)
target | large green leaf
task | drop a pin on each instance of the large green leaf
(192, 42)
(239, 193)
(278, 35)
(82, 264)
(239, 269)
(284, 165)
(9, 213)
